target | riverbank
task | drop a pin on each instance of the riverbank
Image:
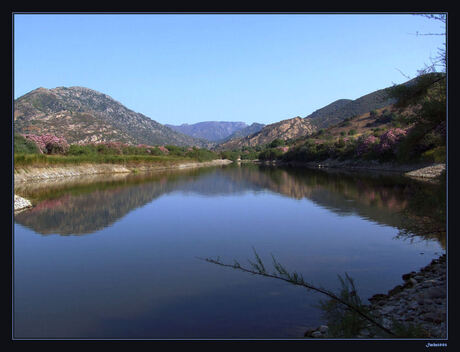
(420, 170)
(25, 174)
(419, 305)
(31, 173)
(420, 301)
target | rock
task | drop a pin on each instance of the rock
(433, 317)
(21, 203)
(316, 334)
(435, 292)
(395, 290)
(323, 329)
(412, 281)
(309, 332)
(377, 297)
(406, 277)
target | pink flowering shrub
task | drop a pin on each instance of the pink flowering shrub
(366, 145)
(163, 149)
(390, 139)
(283, 149)
(48, 143)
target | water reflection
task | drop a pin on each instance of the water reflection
(86, 204)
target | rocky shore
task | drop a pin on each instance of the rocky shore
(420, 301)
(421, 170)
(419, 304)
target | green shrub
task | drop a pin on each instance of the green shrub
(270, 154)
(277, 143)
(24, 146)
(436, 155)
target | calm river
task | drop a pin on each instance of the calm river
(116, 257)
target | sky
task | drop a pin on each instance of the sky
(188, 68)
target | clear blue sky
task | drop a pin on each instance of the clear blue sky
(187, 68)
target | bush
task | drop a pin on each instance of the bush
(270, 154)
(24, 146)
(436, 155)
(201, 154)
(230, 155)
(48, 143)
(277, 143)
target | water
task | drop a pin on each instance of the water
(117, 257)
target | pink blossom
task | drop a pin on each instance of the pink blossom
(283, 149)
(366, 145)
(48, 143)
(163, 149)
(390, 139)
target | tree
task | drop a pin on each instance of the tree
(426, 96)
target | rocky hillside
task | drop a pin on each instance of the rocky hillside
(327, 116)
(341, 109)
(210, 130)
(286, 129)
(84, 115)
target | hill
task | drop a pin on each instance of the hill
(344, 108)
(84, 115)
(286, 129)
(330, 115)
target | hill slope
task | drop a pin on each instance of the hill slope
(286, 129)
(84, 115)
(344, 108)
(329, 115)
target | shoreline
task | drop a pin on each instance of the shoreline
(421, 171)
(32, 173)
(41, 173)
(421, 301)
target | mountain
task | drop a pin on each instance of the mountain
(84, 115)
(328, 115)
(247, 131)
(210, 130)
(286, 129)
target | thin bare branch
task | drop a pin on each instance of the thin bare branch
(295, 279)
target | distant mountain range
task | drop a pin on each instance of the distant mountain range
(84, 115)
(214, 131)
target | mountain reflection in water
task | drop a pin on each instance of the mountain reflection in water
(84, 205)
